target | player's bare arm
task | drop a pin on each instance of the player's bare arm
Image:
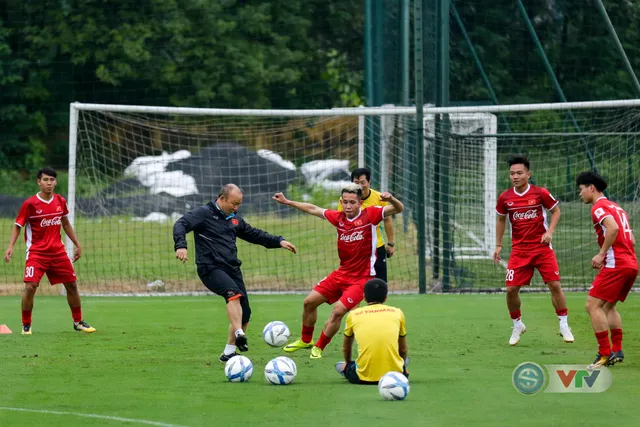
(395, 206)
(553, 223)
(501, 224)
(15, 232)
(347, 346)
(388, 228)
(610, 224)
(309, 208)
(403, 348)
(70, 232)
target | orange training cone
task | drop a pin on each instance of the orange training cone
(4, 329)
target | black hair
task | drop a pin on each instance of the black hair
(47, 171)
(375, 291)
(591, 178)
(519, 160)
(357, 173)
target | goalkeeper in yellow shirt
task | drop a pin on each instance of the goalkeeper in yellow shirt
(371, 197)
(380, 331)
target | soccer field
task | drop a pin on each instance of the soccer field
(153, 361)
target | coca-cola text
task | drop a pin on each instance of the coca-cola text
(352, 237)
(530, 214)
(56, 220)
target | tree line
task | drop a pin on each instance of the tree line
(276, 54)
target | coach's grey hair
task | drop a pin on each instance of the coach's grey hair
(228, 188)
(352, 189)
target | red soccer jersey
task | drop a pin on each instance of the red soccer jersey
(621, 253)
(42, 220)
(527, 213)
(357, 240)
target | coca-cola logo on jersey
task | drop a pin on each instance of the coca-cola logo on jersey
(56, 220)
(530, 214)
(353, 237)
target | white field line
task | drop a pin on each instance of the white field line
(103, 417)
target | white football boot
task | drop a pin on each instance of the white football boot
(518, 329)
(565, 332)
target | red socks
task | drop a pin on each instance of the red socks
(562, 312)
(76, 313)
(26, 317)
(616, 340)
(323, 341)
(307, 333)
(515, 315)
(604, 347)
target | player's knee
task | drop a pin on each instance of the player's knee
(71, 287)
(554, 286)
(309, 304)
(592, 306)
(337, 314)
(31, 287)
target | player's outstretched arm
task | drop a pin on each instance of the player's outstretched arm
(260, 237)
(395, 206)
(70, 232)
(15, 232)
(309, 208)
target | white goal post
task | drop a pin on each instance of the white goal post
(270, 150)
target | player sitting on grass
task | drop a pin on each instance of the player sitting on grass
(617, 267)
(357, 251)
(381, 333)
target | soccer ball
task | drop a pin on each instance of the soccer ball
(276, 334)
(238, 369)
(280, 371)
(393, 386)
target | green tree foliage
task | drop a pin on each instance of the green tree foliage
(272, 54)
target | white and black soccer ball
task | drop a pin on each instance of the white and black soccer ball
(393, 386)
(280, 371)
(238, 369)
(276, 334)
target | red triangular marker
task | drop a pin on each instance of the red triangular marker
(4, 329)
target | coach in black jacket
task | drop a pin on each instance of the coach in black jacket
(216, 226)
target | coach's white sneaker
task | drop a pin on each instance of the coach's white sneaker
(518, 329)
(565, 332)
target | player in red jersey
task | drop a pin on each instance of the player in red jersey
(42, 216)
(617, 264)
(357, 243)
(526, 206)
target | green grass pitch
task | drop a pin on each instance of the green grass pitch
(153, 361)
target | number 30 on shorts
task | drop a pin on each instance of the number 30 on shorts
(29, 271)
(510, 275)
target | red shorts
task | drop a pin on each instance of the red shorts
(522, 262)
(349, 290)
(613, 284)
(57, 267)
